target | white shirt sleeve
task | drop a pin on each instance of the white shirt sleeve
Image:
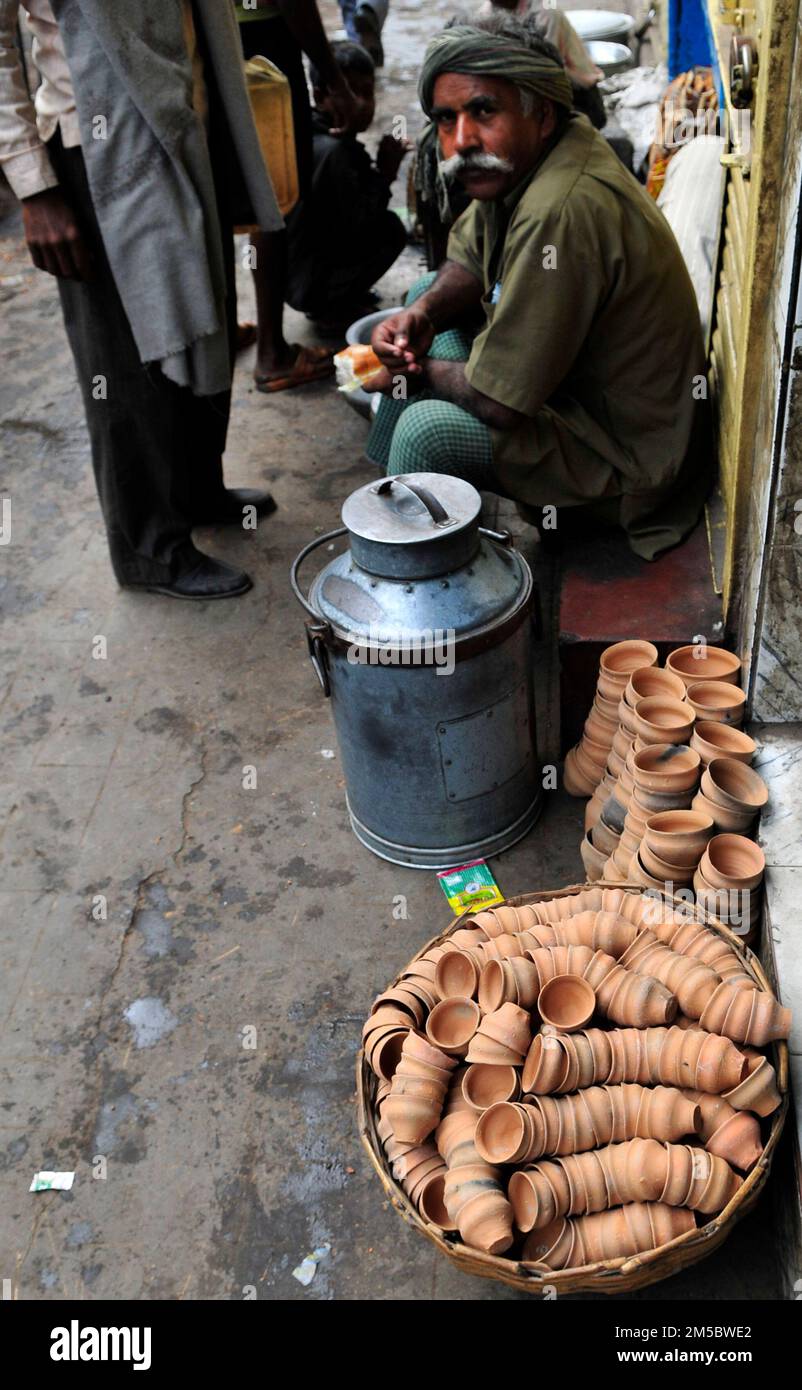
(23, 156)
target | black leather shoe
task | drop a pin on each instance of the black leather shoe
(234, 500)
(206, 579)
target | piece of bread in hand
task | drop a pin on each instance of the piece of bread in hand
(355, 365)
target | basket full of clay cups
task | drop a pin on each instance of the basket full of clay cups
(568, 1085)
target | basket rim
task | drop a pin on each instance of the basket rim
(627, 1272)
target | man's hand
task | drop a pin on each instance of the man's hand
(403, 340)
(380, 381)
(389, 155)
(53, 236)
(386, 382)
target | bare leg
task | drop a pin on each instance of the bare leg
(270, 282)
(280, 364)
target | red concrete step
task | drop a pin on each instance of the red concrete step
(607, 594)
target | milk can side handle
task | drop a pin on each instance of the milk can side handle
(316, 632)
(298, 561)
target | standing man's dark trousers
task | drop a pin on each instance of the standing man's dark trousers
(156, 449)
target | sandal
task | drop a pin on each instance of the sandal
(311, 364)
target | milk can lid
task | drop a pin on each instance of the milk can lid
(415, 509)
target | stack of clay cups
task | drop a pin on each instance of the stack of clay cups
(502, 1038)
(383, 1037)
(658, 721)
(629, 1230)
(665, 776)
(732, 793)
(645, 684)
(418, 1090)
(473, 1192)
(637, 1170)
(729, 883)
(421, 1171)
(672, 845)
(586, 763)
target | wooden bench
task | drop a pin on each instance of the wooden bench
(608, 594)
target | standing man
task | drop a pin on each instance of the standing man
(127, 168)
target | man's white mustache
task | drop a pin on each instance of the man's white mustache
(464, 163)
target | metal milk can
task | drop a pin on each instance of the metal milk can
(420, 633)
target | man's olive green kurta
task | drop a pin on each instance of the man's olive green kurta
(592, 332)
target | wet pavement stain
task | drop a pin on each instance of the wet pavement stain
(307, 875)
(150, 1020)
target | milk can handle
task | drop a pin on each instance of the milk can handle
(435, 509)
(317, 632)
(298, 561)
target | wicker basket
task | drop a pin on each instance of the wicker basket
(608, 1276)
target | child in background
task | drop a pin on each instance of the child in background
(342, 236)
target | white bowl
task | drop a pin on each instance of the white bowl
(610, 57)
(601, 24)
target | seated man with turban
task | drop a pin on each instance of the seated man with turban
(556, 357)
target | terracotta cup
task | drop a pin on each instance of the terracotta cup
(697, 663)
(663, 720)
(567, 1002)
(457, 976)
(666, 767)
(663, 868)
(717, 702)
(712, 740)
(650, 681)
(603, 837)
(451, 1025)
(430, 1202)
(510, 1026)
(383, 1051)
(386, 1016)
(483, 1086)
(402, 999)
(724, 819)
(758, 1091)
(591, 768)
(679, 837)
(638, 873)
(598, 729)
(417, 1048)
(597, 748)
(734, 785)
(546, 1065)
(574, 780)
(619, 661)
(607, 709)
(733, 861)
(593, 860)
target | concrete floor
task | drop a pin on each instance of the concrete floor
(227, 909)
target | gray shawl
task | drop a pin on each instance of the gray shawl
(151, 177)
